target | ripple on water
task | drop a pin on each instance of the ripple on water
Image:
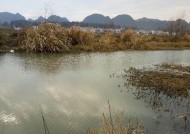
(9, 118)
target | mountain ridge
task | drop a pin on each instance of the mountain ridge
(123, 20)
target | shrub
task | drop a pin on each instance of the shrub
(108, 38)
(138, 42)
(46, 37)
(186, 38)
(127, 36)
(80, 37)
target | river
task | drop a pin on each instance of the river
(72, 90)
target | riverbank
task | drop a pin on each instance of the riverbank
(114, 48)
(48, 37)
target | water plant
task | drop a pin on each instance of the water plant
(165, 88)
(167, 81)
(117, 125)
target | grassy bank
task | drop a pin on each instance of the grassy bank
(49, 37)
(9, 39)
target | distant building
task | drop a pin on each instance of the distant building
(154, 32)
(102, 30)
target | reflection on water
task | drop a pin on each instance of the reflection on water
(72, 89)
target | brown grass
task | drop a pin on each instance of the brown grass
(80, 37)
(46, 37)
(165, 79)
(174, 67)
(117, 125)
(165, 89)
(8, 38)
(109, 38)
(51, 37)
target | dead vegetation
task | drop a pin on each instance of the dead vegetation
(164, 88)
(8, 38)
(174, 67)
(164, 79)
(52, 37)
(116, 125)
(46, 38)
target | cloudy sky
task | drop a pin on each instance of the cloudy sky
(76, 10)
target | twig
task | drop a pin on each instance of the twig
(111, 116)
(45, 124)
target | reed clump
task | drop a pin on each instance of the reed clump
(51, 37)
(127, 36)
(80, 37)
(109, 38)
(131, 38)
(46, 37)
(116, 125)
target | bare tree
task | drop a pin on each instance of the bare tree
(177, 25)
(48, 11)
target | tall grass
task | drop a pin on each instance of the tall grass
(130, 37)
(51, 37)
(116, 125)
(80, 37)
(47, 37)
(108, 38)
(8, 37)
(127, 36)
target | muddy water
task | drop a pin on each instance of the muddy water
(72, 90)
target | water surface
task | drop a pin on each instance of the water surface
(72, 90)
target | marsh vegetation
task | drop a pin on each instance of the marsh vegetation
(117, 124)
(165, 88)
(52, 37)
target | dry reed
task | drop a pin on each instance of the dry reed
(116, 125)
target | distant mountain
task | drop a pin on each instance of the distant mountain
(40, 19)
(52, 18)
(8, 17)
(55, 18)
(150, 24)
(97, 18)
(30, 19)
(124, 21)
